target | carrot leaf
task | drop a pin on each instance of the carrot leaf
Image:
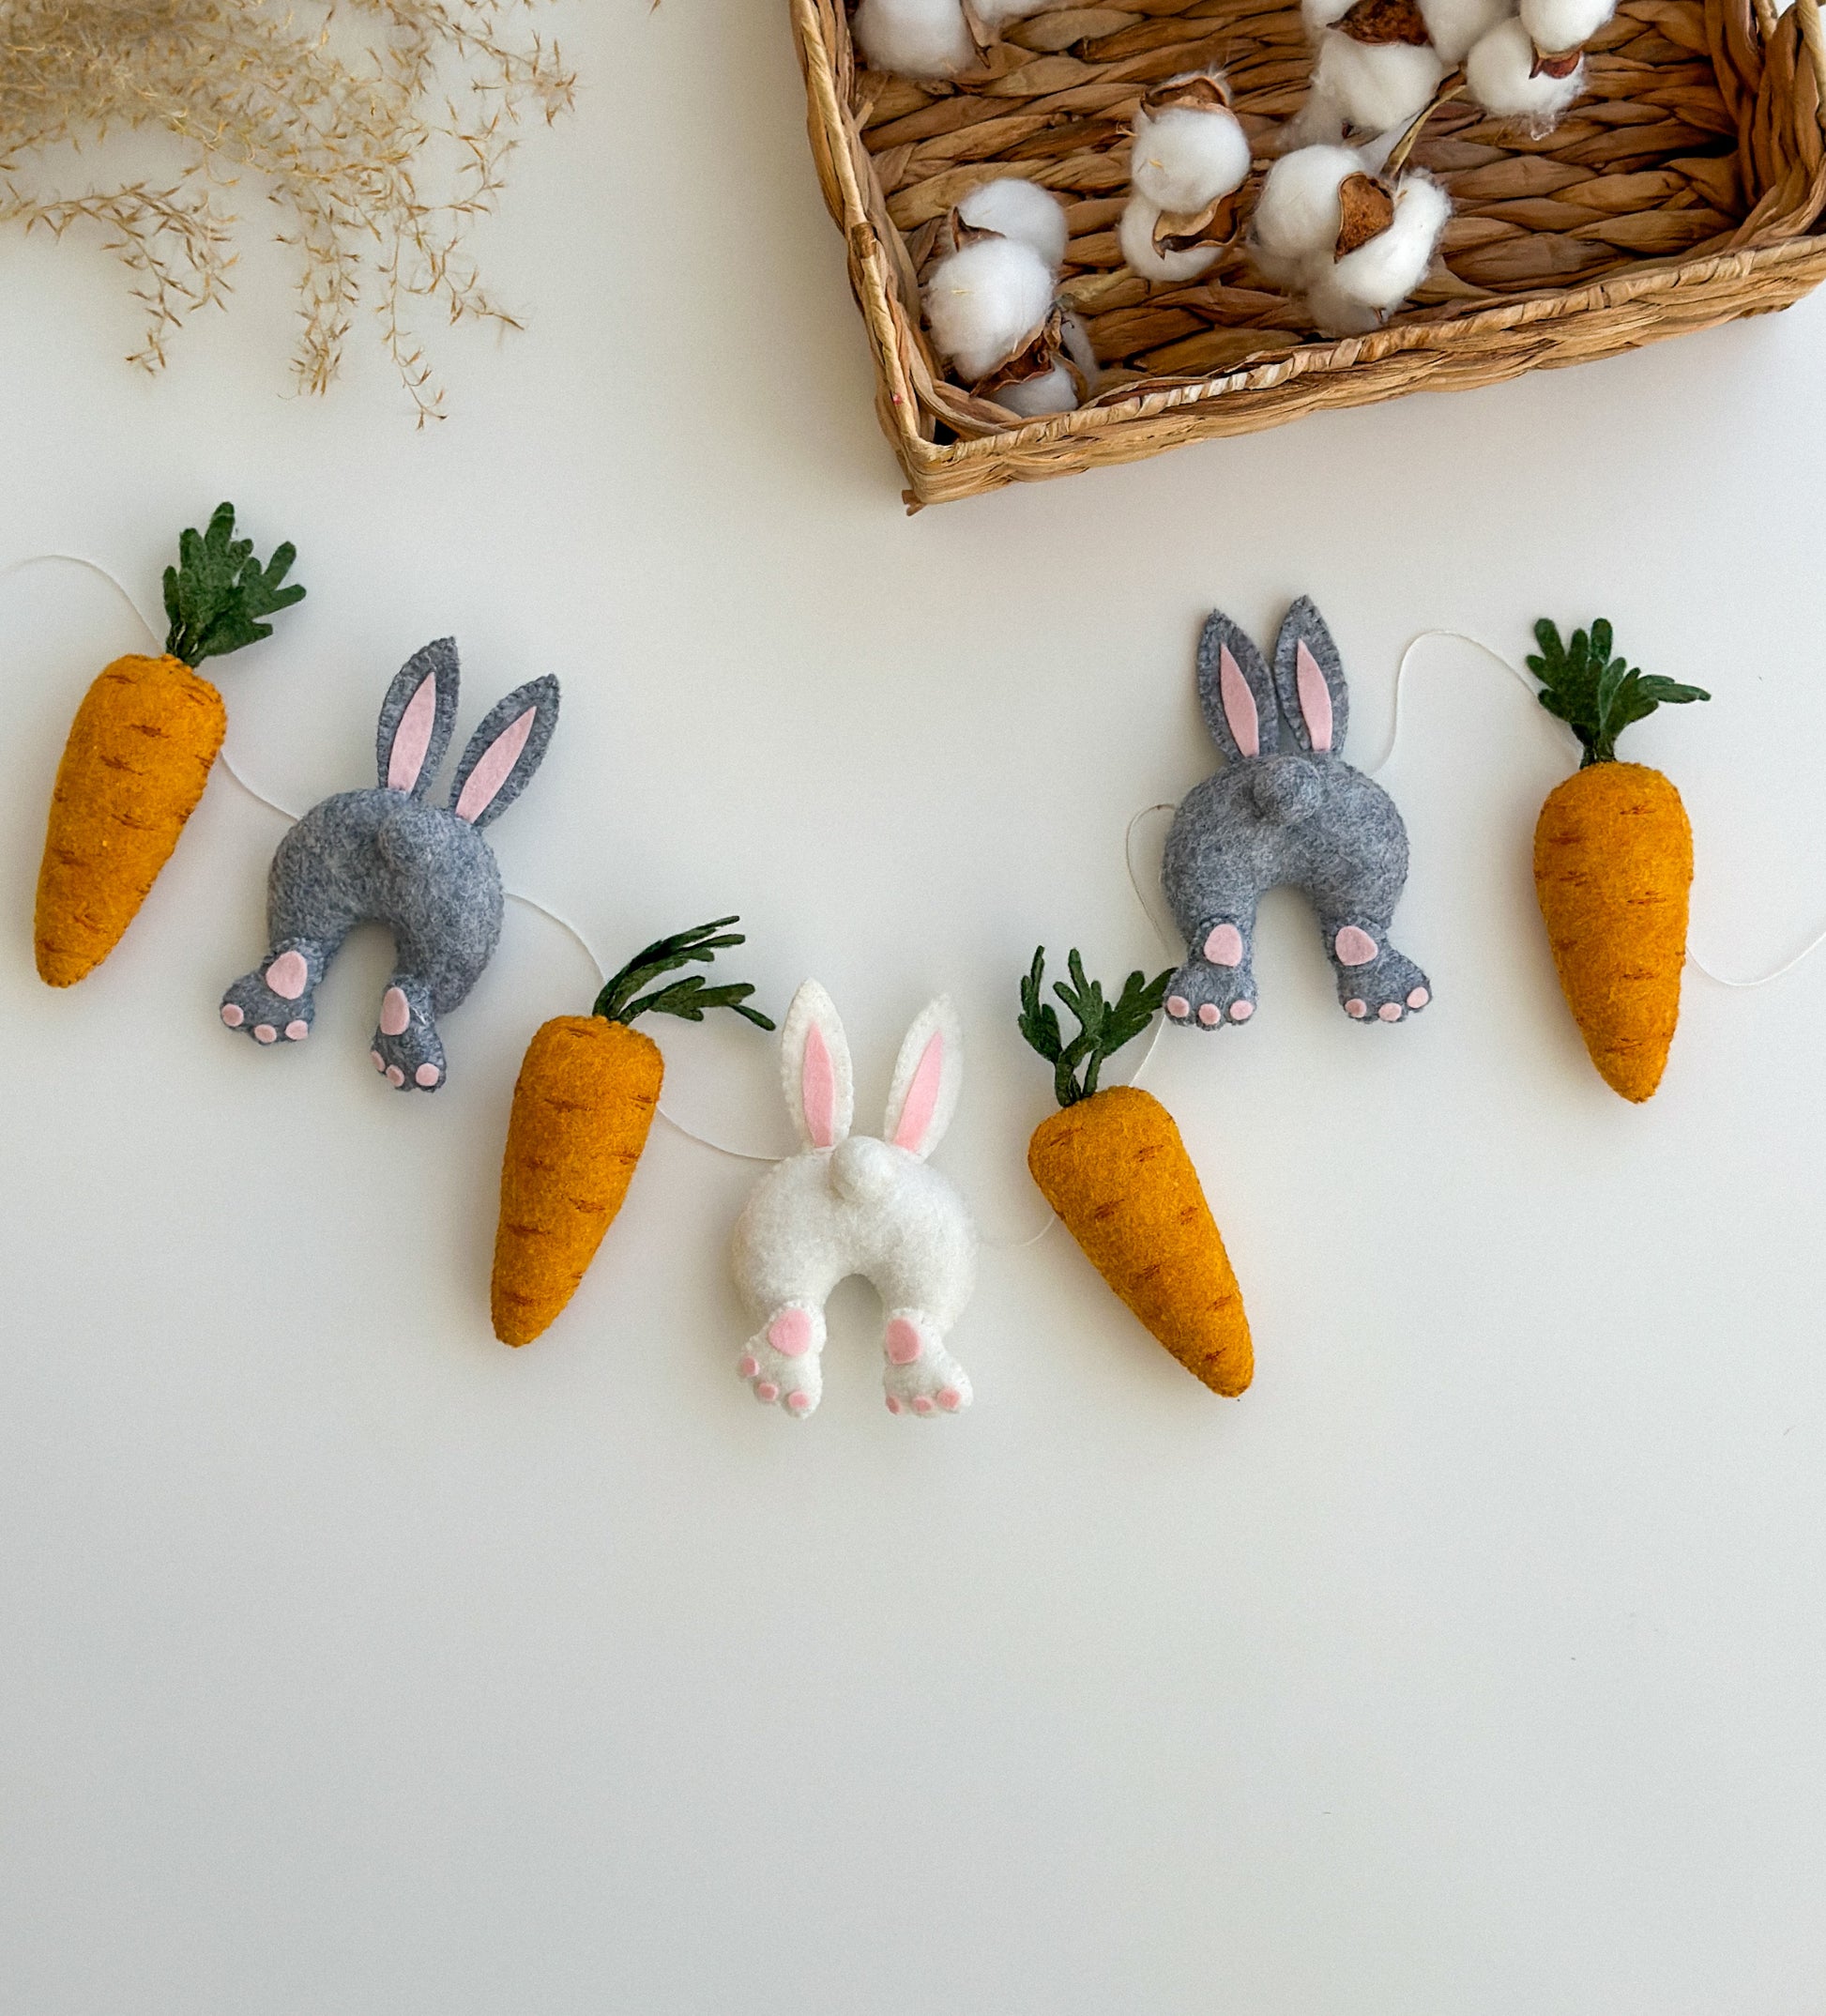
(1104, 1026)
(1595, 694)
(218, 592)
(686, 999)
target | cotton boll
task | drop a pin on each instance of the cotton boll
(1080, 349)
(1458, 26)
(1185, 157)
(1555, 26)
(1057, 391)
(993, 13)
(1298, 214)
(1019, 210)
(1374, 84)
(1383, 273)
(1318, 15)
(1135, 235)
(985, 301)
(915, 38)
(1335, 313)
(1498, 73)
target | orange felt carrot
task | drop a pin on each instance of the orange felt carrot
(141, 749)
(587, 1090)
(1114, 1168)
(1613, 862)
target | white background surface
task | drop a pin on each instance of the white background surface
(1471, 1665)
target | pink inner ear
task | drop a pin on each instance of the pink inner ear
(1315, 697)
(492, 773)
(412, 737)
(1239, 703)
(817, 1090)
(923, 1094)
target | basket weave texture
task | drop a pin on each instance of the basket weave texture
(1679, 191)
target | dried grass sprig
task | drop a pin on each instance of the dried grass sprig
(380, 128)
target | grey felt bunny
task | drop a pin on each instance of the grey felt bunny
(1276, 814)
(386, 856)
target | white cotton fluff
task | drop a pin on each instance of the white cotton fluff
(1458, 26)
(1185, 157)
(1056, 392)
(985, 301)
(1080, 349)
(1318, 15)
(1498, 74)
(1295, 233)
(1298, 213)
(915, 38)
(1135, 235)
(993, 13)
(1370, 84)
(1558, 25)
(1019, 210)
(1384, 272)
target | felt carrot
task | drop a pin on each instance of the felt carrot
(1613, 861)
(1112, 1165)
(587, 1090)
(141, 749)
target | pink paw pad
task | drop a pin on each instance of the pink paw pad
(1358, 1009)
(1241, 1011)
(395, 1076)
(1224, 947)
(950, 1399)
(1419, 997)
(232, 1014)
(747, 1366)
(893, 1405)
(264, 1032)
(766, 1391)
(380, 1062)
(798, 1403)
(1208, 1016)
(1389, 1012)
(922, 1403)
(427, 1075)
(903, 1341)
(287, 975)
(1178, 1007)
(790, 1333)
(297, 1031)
(395, 1013)
(1354, 947)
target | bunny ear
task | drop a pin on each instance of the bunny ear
(814, 1069)
(1235, 693)
(1309, 677)
(415, 719)
(928, 1077)
(505, 751)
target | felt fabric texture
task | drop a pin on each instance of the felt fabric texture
(139, 754)
(583, 1106)
(1613, 870)
(1117, 1173)
(852, 1204)
(1284, 808)
(387, 856)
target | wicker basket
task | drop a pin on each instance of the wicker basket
(1678, 192)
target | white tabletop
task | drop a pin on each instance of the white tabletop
(1469, 1666)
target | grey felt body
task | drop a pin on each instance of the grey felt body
(1286, 810)
(384, 855)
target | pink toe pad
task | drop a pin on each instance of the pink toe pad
(950, 1399)
(232, 1014)
(1178, 1007)
(287, 975)
(903, 1341)
(747, 1366)
(396, 1011)
(1208, 1016)
(1360, 1009)
(1389, 1012)
(1354, 947)
(800, 1403)
(427, 1075)
(380, 1062)
(921, 1403)
(395, 1076)
(1224, 947)
(768, 1391)
(1419, 997)
(297, 1031)
(1241, 1011)
(790, 1333)
(264, 1032)
(893, 1405)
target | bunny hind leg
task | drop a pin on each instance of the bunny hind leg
(277, 1001)
(784, 1361)
(1375, 983)
(921, 1377)
(407, 1051)
(1217, 983)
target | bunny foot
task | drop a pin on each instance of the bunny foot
(407, 1051)
(1217, 984)
(783, 1364)
(275, 1002)
(921, 1376)
(1376, 984)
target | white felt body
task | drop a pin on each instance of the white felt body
(1458, 26)
(985, 301)
(1373, 85)
(1498, 75)
(1185, 157)
(1020, 210)
(915, 38)
(1135, 235)
(1558, 25)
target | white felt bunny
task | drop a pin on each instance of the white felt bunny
(854, 1204)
